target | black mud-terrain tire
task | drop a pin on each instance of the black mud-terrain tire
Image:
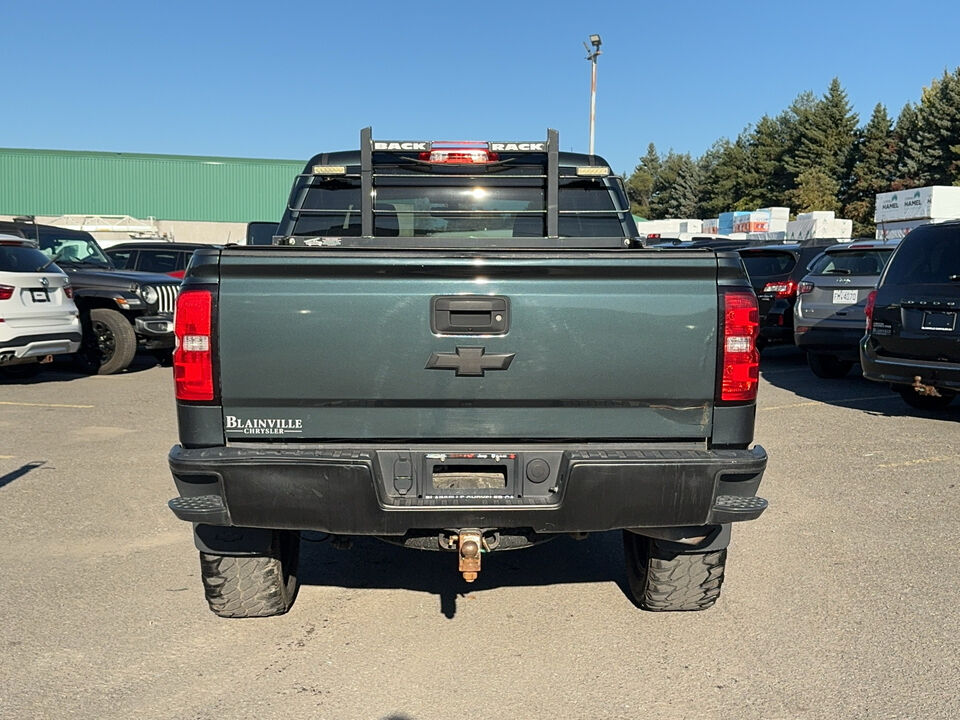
(663, 580)
(925, 402)
(109, 343)
(828, 367)
(253, 585)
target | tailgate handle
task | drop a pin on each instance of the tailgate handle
(470, 314)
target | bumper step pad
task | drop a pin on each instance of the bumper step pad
(207, 509)
(733, 508)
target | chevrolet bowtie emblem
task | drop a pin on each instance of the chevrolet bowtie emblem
(470, 361)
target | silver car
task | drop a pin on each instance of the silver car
(829, 315)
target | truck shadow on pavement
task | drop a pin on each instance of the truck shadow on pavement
(372, 563)
(786, 368)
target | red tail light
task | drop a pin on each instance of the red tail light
(739, 359)
(68, 290)
(868, 310)
(459, 153)
(804, 288)
(6, 292)
(193, 357)
(782, 289)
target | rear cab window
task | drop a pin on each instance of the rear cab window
(414, 199)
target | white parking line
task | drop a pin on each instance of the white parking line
(48, 405)
(809, 403)
(920, 461)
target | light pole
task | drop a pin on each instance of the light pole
(592, 57)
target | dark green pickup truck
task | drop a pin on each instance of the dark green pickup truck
(463, 347)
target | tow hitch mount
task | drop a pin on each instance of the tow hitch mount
(468, 543)
(925, 390)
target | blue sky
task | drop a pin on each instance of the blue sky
(287, 80)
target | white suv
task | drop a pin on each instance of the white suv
(38, 318)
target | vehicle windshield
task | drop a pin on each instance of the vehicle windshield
(929, 254)
(72, 249)
(852, 262)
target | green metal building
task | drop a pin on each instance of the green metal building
(165, 187)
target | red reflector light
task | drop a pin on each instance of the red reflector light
(68, 291)
(868, 310)
(739, 359)
(6, 292)
(782, 289)
(193, 357)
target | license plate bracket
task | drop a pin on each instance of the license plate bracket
(939, 321)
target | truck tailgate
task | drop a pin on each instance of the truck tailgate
(336, 344)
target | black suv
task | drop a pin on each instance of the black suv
(775, 272)
(120, 311)
(913, 338)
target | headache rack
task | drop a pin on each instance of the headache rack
(534, 165)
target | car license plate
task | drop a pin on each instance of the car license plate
(844, 297)
(942, 321)
(39, 296)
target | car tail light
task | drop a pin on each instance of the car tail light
(6, 292)
(804, 288)
(868, 310)
(782, 289)
(68, 290)
(193, 357)
(739, 373)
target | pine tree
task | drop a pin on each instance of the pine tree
(722, 169)
(676, 191)
(874, 166)
(823, 137)
(764, 179)
(906, 140)
(815, 190)
(640, 184)
(935, 150)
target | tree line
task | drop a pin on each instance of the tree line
(814, 155)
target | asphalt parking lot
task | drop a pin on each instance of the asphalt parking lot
(840, 602)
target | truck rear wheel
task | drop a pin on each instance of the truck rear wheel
(253, 585)
(664, 580)
(109, 343)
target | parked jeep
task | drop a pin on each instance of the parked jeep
(121, 311)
